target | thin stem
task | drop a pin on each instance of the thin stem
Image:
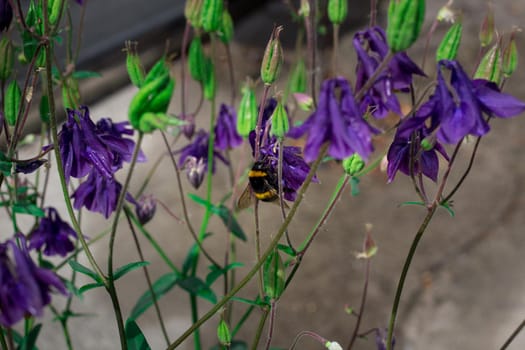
(258, 128)
(258, 264)
(281, 194)
(371, 81)
(362, 307)
(258, 247)
(271, 325)
(311, 45)
(373, 13)
(259, 330)
(185, 38)
(513, 335)
(233, 89)
(335, 49)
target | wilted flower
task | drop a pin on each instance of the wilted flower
(371, 48)
(226, 136)
(24, 287)
(98, 193)
(338, 121)
(53, 234)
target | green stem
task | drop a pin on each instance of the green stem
(261, 261)
(362, 307)
(335, 49)
(259, 330)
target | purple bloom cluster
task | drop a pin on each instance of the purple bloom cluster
(97, 150)
(24, 287)
(53, 234)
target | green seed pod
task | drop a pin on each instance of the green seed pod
(54, 6)
(192, 12)
(223, 333)
(225, 32)
(280, 123)
(273, 58)
(405, 19)
(197, 60)
(210, 84)
(70, 93)
(160, 102)
(159, 70)
(211, 15)
(140, 103)
(448, 48)
(13, 96)
(273, 276)
(337, 11)
(7, 58)
(490, 66)
(510, 57)
(298, 79)
(133, 64)
(486, 33)
(353, 164)
(247, 112)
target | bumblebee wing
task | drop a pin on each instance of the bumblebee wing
(246, 199)
(277, 203)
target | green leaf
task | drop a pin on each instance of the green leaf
(250, 302)
(287, 250)
(84, 74)
(72, 289)
(121, 271)
(78, 267)
(89, 286)
(135, 338)
(192, 255)
(28, 208)
(160, 287)
(216, 272)
(29, 341)
(448, 208)
(195, 286)
(421, 204)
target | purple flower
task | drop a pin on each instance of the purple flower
(98, 193)
(268, 110)
(459, 112)
(371, 48)
(6, 15)
(24, 287)
(54, 234)
(196, 153)
(338, 121)
(145, 208)
(28, 167)
(226, 136)
(406, 153)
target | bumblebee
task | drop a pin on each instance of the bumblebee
(263, 185)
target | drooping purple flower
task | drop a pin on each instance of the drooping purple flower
(24, 287)
(459, 112)
(53, 234)
(30, 166)
(226, 136)
(6, 15)
(371, 48)
(145, 208)
(338, 121)
(97, 193)
(407, 155)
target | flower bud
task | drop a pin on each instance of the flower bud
(195, 170)
(448, 48)
(337, 11)
(225, 32)
(192, 12)
(197, 60)
(298, 79)
(223, 333)
(6, 15)
(7, 58)
(188, 129)
(304, 101)
(273, 58)
(490, 66)
(247, 112)
(211, 15)
(333, 345)
(486, 32)
(280, 123)
(55, 6)
(145, 208)
(133, 64)
(13, 96)
(510, 57)
(405, 19)
(353, 164)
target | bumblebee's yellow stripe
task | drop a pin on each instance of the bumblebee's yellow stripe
(266, 195)
(257, 173)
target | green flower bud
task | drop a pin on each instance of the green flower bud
(304, 101)
(7, 58)
(197, 60)
(298, 79)
(211, 15)
(427, 144)
(510, 57)
(337, 11)
(225, 32)
(223, 333)
(192, 12)
(273, 58)
(280, 123)
(247, 112)
(448, 48)
(13, 96)
(486, 33)
(353, 164)
(133, 64)
(54, 7)
(405, 19)
(273, 276)
(490, 66)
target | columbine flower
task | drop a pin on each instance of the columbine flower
(226, 136)
(198, 149)
(24, 287)
(98, 193)
(459, 112)
(54, 234)
(145, 208)
(6, 15)
(371, 48)
(406, 149)
(338, 121)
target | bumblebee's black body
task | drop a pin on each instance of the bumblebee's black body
(264, 182)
